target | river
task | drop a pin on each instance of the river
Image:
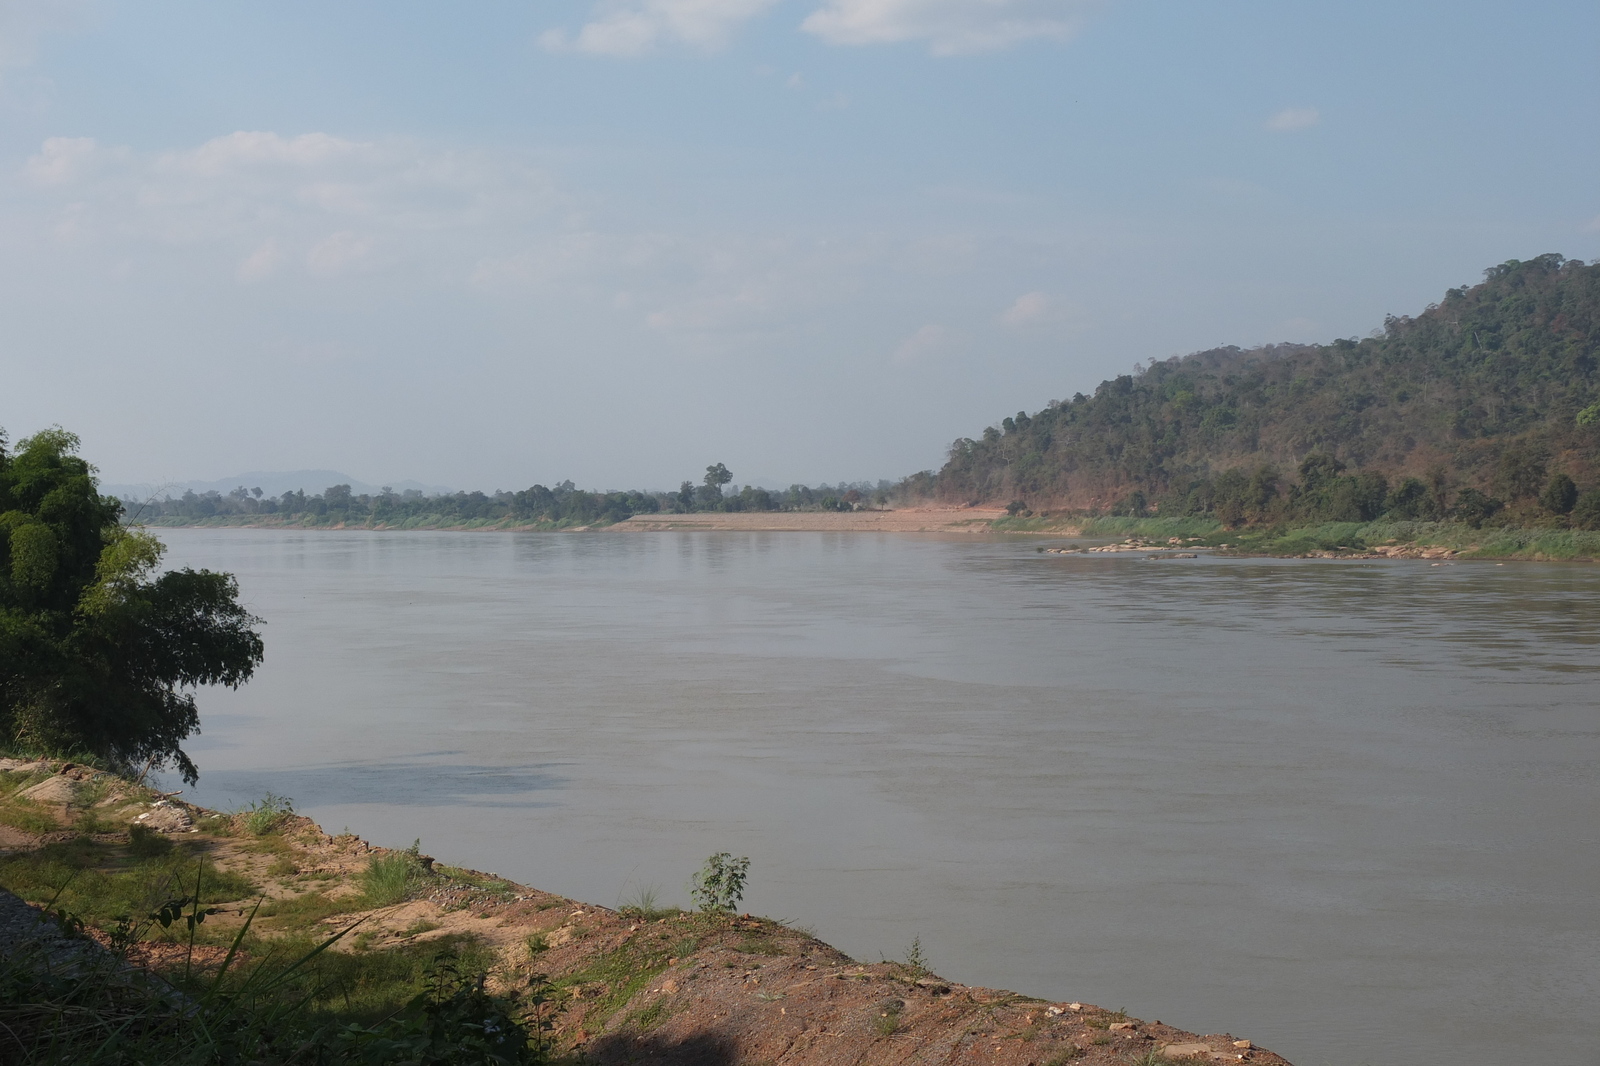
(1346, 809)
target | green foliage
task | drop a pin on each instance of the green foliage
(1560, 495)
(146, 843)
(1481, 391)
(562, 507)
(1586, 511)
(916, 960)
(389, 879)
(267, 814)
(98, 654)
(454, 1022)
(300, 1003)
(645, 904)
(719, 884)
(74, 874)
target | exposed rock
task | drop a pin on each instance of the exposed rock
(57, 789)
(166, 817)
(1184, 1051)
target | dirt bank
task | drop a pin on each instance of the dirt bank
(663, 986)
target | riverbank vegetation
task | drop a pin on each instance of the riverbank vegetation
(536, 507)
(99, 654)
(1483, 410)
(1339, 538)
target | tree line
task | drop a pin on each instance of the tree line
(1326, 492)
(563, 506)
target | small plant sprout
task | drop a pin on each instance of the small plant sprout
(719, 885)
(916, 960)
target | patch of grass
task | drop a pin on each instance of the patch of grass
(90, 822)
(649, 1016)
(147, 843)
(308, 908)
(538, 944)
(389, 879)
(102, 882)
(267, 814)
(645, 905)
(887, 1019)
(1067, 1054)
(12, 782)
(620, 973)
(283, 866)
(368, 986)
(28, 816)
(418, 927)
(762, 945)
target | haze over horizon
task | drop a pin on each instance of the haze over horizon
(814, 240)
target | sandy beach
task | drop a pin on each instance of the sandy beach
(911, 520)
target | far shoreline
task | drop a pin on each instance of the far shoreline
(1328, 540)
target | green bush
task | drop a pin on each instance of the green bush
(719, 884)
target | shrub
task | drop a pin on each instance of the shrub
(719, 884)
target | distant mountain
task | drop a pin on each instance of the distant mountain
(1494, 389)
(270, 482)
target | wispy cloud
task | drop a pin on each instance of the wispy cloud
(926, 341)
(1027, 309)
(1291, 119)
(61, 159)
(636, 28)
(949, 27)
(265, 200)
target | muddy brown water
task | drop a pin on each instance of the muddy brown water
(1348, 810)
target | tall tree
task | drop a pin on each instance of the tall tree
(98, 653)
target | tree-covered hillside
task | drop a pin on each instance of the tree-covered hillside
(1491, 395)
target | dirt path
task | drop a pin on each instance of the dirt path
(703, 989)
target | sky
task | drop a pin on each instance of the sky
(491, 244)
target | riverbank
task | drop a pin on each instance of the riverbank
(1380, 539)
(1373, 540)
(604, 986)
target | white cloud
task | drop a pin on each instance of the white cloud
(60, 160)
(1291, 119)
(926, 341)
(1028, 308)
(635, 28)
(949, 26)
(261, 196)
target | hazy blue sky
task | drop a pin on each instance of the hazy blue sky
(493, 243)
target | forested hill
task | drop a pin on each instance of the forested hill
(1494, 389)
